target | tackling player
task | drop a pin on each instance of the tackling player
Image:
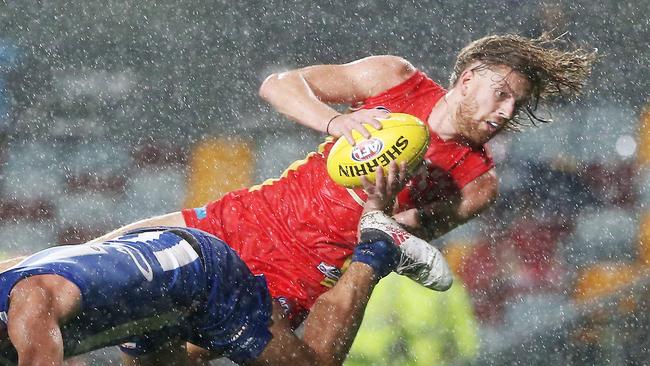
(176, 285)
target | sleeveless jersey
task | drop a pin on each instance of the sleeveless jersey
(171, 283)
(299, 230)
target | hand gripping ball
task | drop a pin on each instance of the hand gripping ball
(403, 137)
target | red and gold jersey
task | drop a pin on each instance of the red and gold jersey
(298, 230)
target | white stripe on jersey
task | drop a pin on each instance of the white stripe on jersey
(61, 252)
(176, 256)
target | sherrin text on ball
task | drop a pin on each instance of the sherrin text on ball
(403, 137)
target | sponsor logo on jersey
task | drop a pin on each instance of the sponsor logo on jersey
(285, 304)
(367, 149)
(201, 213)
(329, 270)
(371, 165)
(332, 274)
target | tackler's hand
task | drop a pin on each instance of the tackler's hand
(382, 193)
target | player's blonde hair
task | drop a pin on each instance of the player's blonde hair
(551, 70)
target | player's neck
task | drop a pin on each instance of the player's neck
(442, 119)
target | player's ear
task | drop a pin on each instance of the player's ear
(465, 79)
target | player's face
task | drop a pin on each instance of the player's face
(491, 97)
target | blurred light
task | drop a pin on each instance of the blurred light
(625, 145)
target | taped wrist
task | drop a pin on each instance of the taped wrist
(381, 255)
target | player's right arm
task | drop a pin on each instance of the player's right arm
(304, 95)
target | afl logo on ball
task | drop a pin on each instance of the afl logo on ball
(367, 149)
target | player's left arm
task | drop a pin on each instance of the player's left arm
(434, 220)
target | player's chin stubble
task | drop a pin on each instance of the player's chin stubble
(467, 126)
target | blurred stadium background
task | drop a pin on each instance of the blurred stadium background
(113, 110)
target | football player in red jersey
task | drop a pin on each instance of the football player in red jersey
(494, 80)
(299, 230)
(305, 224)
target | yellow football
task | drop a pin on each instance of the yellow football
(403, 137)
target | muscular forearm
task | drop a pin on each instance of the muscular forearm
(290, 94)
(39, 356)
(38, 342)
(337, 314)
(305, 95)
(436, 219)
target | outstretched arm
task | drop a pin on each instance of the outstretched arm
(304, 95)
(330, 327)
(336, 316)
